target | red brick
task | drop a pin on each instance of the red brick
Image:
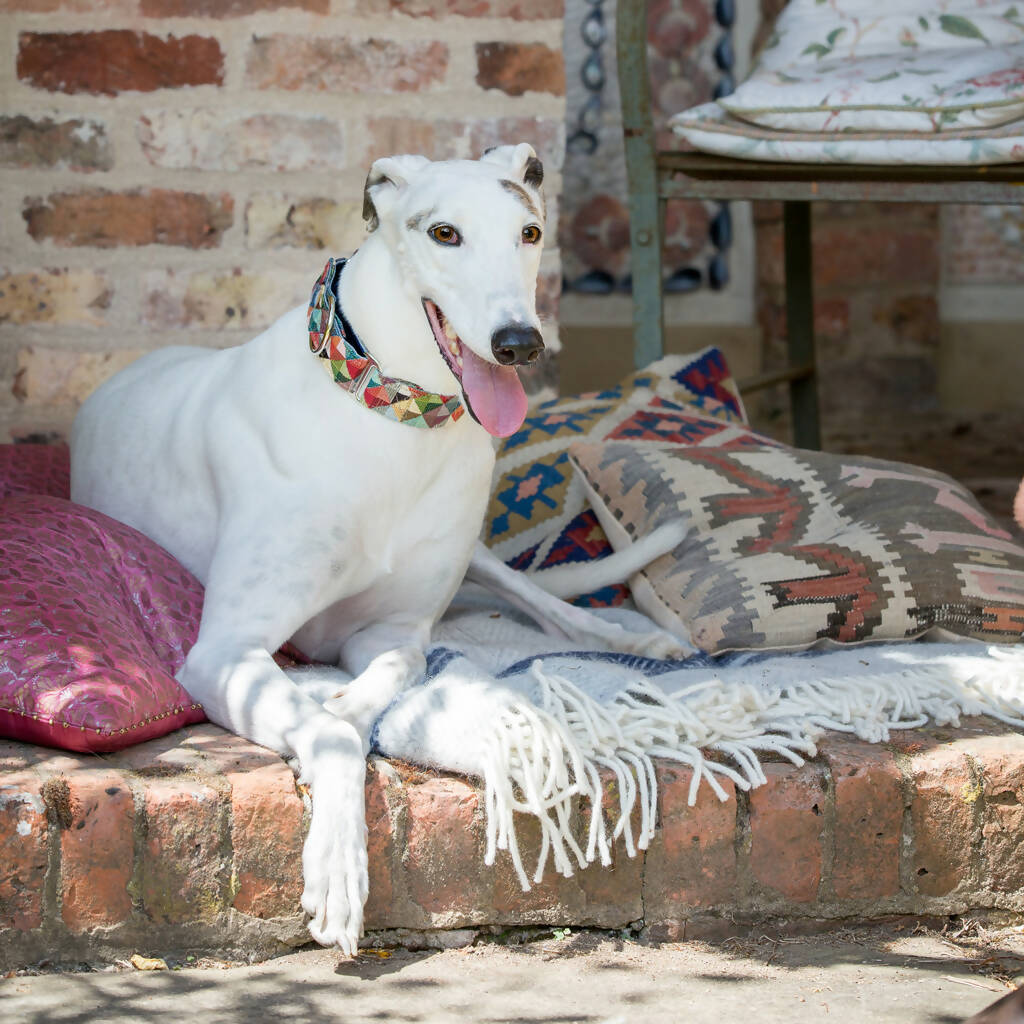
(858, 253)
(549, 293)
(109, 7)
(519, 10)
(76, 144)
(910, 318)
(787, 822)
(142, 217)
(692, 861)
(221, 299)
(206, 139)
(117, 60)
(275, 221)
(846, 255)
(445, 847)
(770, 259)
(595, 895)
(317, 64)
(226, 8)
(610, 897)
(869, 819)
(382, 790)
(446, 140)
(266, 837)
(97, 815)
(181, 876)
(832, 321)
(544, 899)
(1001, 762)
(897, 385)
(177, 753)
(517, 68)
(23, 850)
(59, 296)
(982, 245)
(210, 749)
(53, 376)
(942, 815)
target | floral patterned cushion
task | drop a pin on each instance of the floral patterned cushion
(712, 129)
(888, 65)
(94, 621)
(538, 517)
(789, 547)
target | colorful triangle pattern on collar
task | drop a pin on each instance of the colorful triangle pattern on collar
(352, 368)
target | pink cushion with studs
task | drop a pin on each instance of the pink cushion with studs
(35, 469)
(95, 619)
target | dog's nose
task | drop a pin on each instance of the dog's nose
(516, 344)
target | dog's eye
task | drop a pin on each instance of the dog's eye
(445, 234)
(531, 234)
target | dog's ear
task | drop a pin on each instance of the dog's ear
(520, 162)
(386, 177)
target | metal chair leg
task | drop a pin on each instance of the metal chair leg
(642, 172)
(803, 391)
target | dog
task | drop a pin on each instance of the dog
(322, 497)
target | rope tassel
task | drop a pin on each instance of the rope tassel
(550, 755)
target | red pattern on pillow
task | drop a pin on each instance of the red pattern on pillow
(35, 469)
(95, 619)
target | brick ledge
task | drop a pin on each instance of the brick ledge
(192, 844)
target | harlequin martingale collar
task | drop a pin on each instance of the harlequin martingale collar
(351, 367)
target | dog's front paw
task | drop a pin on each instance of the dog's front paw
(334, 863)
(334, 866)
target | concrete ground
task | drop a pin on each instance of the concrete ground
(909, 975)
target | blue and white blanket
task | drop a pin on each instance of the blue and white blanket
(539, 725)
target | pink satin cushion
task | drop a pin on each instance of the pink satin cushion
(95, 619)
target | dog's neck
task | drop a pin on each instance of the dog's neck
(390, 320)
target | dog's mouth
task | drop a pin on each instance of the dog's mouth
(493, 394)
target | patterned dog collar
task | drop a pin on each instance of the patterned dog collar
(351, 367)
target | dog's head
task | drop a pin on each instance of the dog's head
(467, 235)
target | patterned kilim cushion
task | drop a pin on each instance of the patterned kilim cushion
(789, 547)
(538, 516)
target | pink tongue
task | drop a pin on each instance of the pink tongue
(495, 393)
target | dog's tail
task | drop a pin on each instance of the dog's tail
(568, 580)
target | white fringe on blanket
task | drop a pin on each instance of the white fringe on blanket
(540, 726)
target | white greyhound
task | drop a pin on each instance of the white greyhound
(345, 522)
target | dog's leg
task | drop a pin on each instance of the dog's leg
(254, 601)
(242, 689)
(556, 617)
(385, 659)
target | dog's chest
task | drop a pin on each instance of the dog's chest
(418, 501)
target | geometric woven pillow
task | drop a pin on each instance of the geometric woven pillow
(538, 517)
(788, 548)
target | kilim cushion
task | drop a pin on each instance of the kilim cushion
(789, 547)
(538, 516)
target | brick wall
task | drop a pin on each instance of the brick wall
(177, 171)
(982, 307)
(876, 320)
